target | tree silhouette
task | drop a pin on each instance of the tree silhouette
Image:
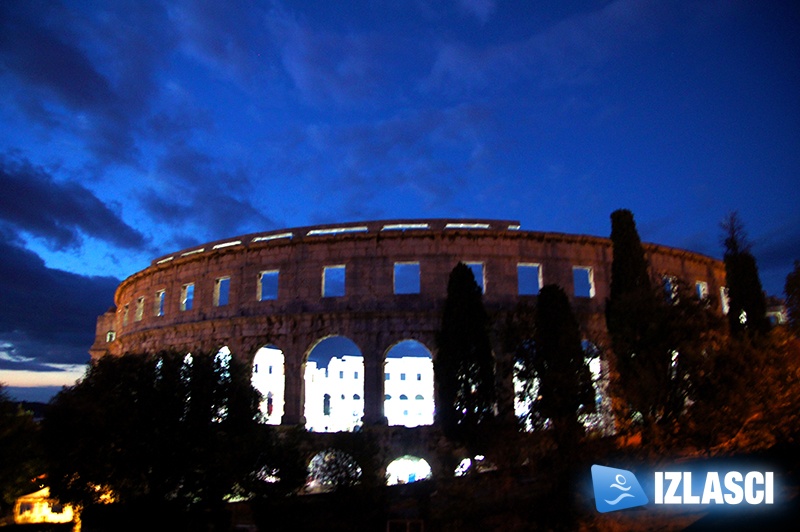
(746, 302)
(555, 359)
(153, 428)
(464, 365)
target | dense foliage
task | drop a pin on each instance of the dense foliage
(746, 300)
(464, 365)
(159, 428)
(554, 363)
(21, 460)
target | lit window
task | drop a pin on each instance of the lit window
(159, 302)
(221, 291)
(419, 376)
(529, 279)
(671, 287)
(111, 336)
(386, 376)
(268, 285)
(139, 309)
(478, 273)
(125, 315)
(406, 277)
(702, 289)
(725, 299)
(355, 375)
(402, 376)
(333, 278)
(341, 376)
(583, 281)
(187, 296)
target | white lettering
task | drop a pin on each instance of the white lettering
(735, 494)
(768, 488)
(751, 495)
(675, 480)
(712, 489)
(659, 487)
(688, 498)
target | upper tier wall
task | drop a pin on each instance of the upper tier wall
(368, 251)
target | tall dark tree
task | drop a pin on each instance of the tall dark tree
(660, 335)
(555, 361)
(792, 291)
(746, 302)
(21, 459)
(153, 428)
(631, 317)
(464, 365)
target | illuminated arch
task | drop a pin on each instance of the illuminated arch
(268, 378)
(334, 384)
(331, 469)
(408, 372)
(407, 469)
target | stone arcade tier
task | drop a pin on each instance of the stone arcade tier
(376, 283)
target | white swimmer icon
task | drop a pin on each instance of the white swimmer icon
(619, 484)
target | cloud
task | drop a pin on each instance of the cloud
(365, 169)
(197, 189)
(84, 74)
(480, 9)
(59, 212)
(351, 69)
(566, 53)
(47, 315)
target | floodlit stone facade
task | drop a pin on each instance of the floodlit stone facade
(377, 283)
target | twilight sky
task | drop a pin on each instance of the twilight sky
(132, 129)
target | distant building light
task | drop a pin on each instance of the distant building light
(272, 237)
(513, 227)
(337, 230)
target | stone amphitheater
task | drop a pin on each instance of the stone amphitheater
(377, 283)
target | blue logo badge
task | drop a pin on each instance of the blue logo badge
(616, 489)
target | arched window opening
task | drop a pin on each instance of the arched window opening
(334, 369)
(407, 469)
(412, 363)
(332, 469)
(268, 379)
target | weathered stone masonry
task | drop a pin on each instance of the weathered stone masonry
(369, 313)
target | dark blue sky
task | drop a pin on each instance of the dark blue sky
(131, 129)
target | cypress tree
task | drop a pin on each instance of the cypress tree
(558, 362)
(464, 366)
(642, 362)
(746, 302)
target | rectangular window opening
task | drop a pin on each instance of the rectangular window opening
(583, 281)
(702, 289)
(478, 272)
(529, 279)
(222, 288)
(139, 309)
(406, 277)
(159, 302)
(125, 315)
(724, 299)
(187, 296)
(268, 285)
(333, 278)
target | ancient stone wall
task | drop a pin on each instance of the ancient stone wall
(150, 312)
